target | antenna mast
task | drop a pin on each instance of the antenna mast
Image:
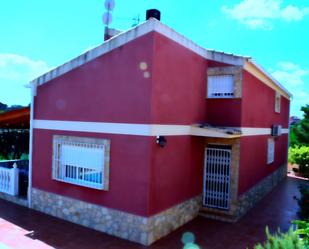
(107, 16)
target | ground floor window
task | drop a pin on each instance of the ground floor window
(270, 150)
(217, 176)
(81, 161)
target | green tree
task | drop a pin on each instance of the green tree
(3, 107)
(300, 133)
(293, 139)
(300, 155)
(14, 143)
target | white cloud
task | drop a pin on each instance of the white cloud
(293, 13)
(16, 71)
(296, 79)
(20, 68)
(259, 14)
(291, 74)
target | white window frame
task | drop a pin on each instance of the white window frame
(71, 156)
(221, 86)
(277, 102)
(270, 150)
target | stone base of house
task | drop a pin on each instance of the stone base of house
(15, 199)
(255, 194)
(143, 230)
(249, 199)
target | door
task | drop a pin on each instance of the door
(217, 171)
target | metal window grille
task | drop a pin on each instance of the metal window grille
(79, 163)
(221, 86)
(217, 178)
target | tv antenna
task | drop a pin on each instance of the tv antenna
(107, 16)
(136, 20)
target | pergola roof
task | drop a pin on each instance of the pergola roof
(16, 119)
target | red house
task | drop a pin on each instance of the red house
(141, 134)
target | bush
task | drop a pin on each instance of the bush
(289, 240)
(14, 143)
(293, 139)
(300, 156)
(299, 133)
(303, 231)
(303, 202)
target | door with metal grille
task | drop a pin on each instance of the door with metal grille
(217, 176)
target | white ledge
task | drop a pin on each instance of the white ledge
(148, 129)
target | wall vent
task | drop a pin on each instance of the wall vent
(276, 130)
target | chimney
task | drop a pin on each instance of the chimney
(153, 13)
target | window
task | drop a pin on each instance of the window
(81, 161)
(270, 150)
(221, 86)
(277, 102)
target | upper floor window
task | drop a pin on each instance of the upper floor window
(81, 161)
(277, 102)
(220, 86)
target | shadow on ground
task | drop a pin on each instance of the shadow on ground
(24, 228)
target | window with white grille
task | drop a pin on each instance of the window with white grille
(217, 176)
(220, 86)
(270, 150)
(81, 161)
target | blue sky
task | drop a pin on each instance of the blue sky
(38, 35)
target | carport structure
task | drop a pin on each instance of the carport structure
(14, 144)
(15, 119)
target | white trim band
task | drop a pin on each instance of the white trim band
(144, 129)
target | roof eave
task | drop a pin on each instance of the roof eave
(258, 71)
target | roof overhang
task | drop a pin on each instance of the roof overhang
(260, 73)
(216, 132)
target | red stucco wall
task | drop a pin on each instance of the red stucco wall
(111, 88)
(258, 105)
(253, 165)
(224, 112)
(129, 171)
(176, 172)
(179, 85)
(258, 110)
(178, 97)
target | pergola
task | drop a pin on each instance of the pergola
(16, 119)
(14, 143)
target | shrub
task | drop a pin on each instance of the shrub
(303, 202)
(300, 156)
(303, 231)
(14, 143)
(289, 240)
